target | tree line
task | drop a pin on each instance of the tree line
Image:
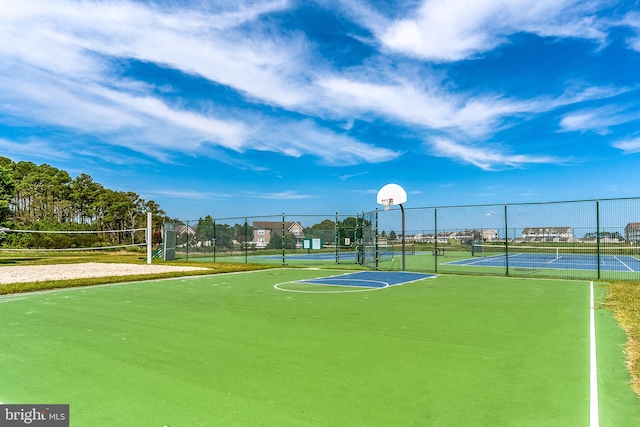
(42, 197)
(207, 233)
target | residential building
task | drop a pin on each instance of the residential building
(547, 234)
(632, 232)
(264, 230)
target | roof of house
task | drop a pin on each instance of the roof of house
(274, 225)
(181, 229)
(541, 230)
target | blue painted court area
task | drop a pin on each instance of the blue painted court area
(370, 279)
(551, 261)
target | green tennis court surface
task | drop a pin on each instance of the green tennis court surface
(239, 350)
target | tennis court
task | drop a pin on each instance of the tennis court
(556, 258)
(241, 350)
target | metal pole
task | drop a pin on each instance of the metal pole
(506, 241)
(435, 236)
(337, 239)
(376, 253)
(598, 234)
(283, 257)
(246, 241)
(149, 237)
(402, 209)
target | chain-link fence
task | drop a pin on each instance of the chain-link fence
(587, 239)
(297, 240)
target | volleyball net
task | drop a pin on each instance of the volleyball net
(50, 241)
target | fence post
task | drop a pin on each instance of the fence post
(336, 237)
(598, 234)
(246, 241)
(435, 237)
(506, 241)
(215, 243)
(376, 254)
(282, 239)
(186, 230)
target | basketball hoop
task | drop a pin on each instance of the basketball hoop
(393, 194)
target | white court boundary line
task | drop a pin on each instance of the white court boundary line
(593, 366)
(349, 289)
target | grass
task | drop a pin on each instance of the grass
(232, 350)
(623, 299)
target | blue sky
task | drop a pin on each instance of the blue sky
(309, 107)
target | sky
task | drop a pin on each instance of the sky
(244, 108)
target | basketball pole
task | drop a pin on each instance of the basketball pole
(402, 209)
(389, 195)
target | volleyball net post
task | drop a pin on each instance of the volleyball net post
(149, 237)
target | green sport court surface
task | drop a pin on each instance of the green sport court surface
(282, 348)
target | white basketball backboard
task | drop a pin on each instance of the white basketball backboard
(392, 194)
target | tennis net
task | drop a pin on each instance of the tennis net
(389, 251)
(555, 252)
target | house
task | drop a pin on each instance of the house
(632, 232)
(263, 230)
(185, 233)
(475, 235)
(547, 234)
(420, 238)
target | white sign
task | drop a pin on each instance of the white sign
(316, 244)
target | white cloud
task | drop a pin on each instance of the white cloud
(57, 75)
(597, 119)
(485, 158)
(68, 33)
(60, 73)
(283, 195)
(633, 20)
(450, 30)
(434, 108)
(189, 194)
(629, 146)
(306, 138)
(32, 148)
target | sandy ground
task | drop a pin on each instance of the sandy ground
(40, 273)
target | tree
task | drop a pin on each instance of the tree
(41, 192)
(325, 230)
(206, 229)
(276, 241)
(84, 194)
(6, 163)
(242, 232)
(7, 188)
(42, 197)
(347, 228)
(224, 236)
